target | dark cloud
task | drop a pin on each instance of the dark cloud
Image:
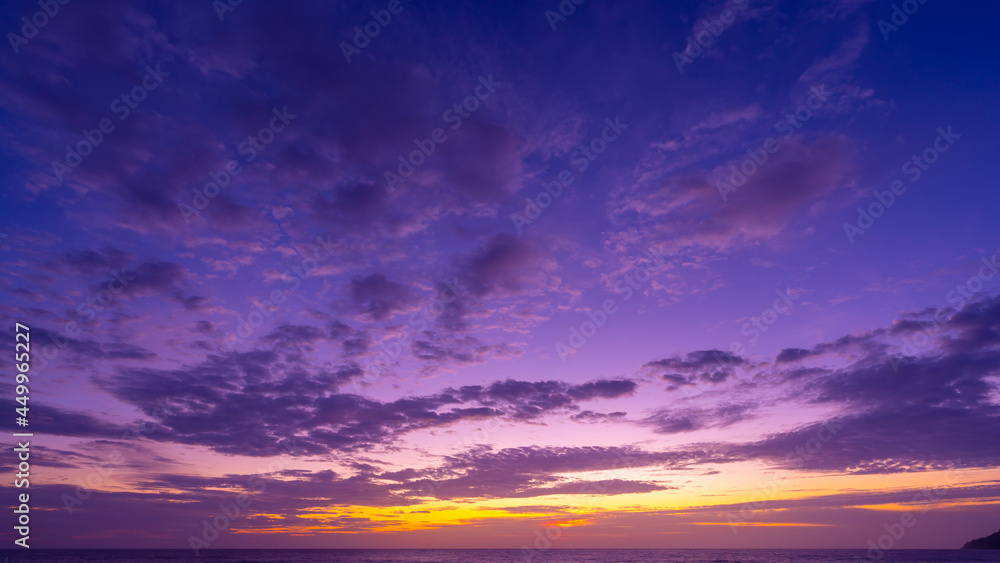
(711, 366)
(249, 403)
(79, 351)
(529, 472)
(191, 303)
(505, 265)
(292, 335)
(205, 327)
(672, 421)
(353, 342)
(453, 311)
(445, 349)
(148, 279)
(793, 355)
(359, 205)
(907, 413)
(357, 345)
(684, 212)
(93, 261)
(308, 338)
(482, 161)
(603, 388)
(495, 484)
(378, 297)
(531, 399)
(886, 440)
(925, 410)
(48, 420)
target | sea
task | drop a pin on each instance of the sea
(499, 556)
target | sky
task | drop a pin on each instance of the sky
(504, 274)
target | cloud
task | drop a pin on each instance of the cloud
(287, 335)
(506, 265)
(560, 459)
(684, 213)
(482, 161)
(443, 349)
(603, 388)
(591, 416)
(92, 261)
(359, 205)
(81, 351)
(378, 297)
(673, 420)
(530, 472)
(886, 440)
(147, 279)
(230, 402)
(907, 413)
(793, 355)
(529, 400)
(726, 118)
(353, 342)
(712, 366)
(55, 421)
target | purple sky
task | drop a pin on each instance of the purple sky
(493, 270)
